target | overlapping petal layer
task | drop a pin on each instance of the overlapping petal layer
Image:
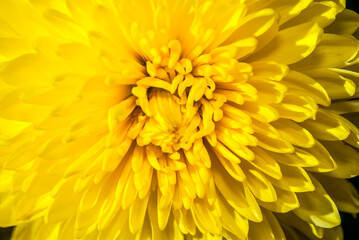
(177, 119)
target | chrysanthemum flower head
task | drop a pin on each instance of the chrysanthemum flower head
(171, 119)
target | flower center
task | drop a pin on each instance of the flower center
(177, 96)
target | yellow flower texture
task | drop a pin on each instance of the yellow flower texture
(178, 119)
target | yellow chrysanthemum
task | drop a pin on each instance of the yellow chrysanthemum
(177, 119)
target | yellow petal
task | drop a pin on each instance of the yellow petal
(163, 211)
(7, 219)
(301, 84)
(322, 13)
(299, 158)
(236, 113)
(332, 51)
(90, 197)
(119, 220)
(326, 126)
(343, 193)
(346, 22)
(31, 66)
(274, 144)
(260, 186)
(235, 144)
(205, 217)
(137, 214)
(293, 133)
(55, 148)
(269, 71)
(223, 151)
(129, 192)
(337, 86)
(13, 108)
(267, 164)
(346, 159)
(296, 107)
(325, 161)
(36, 229)
(12, 47)
(10, 129)
(286, 10)
(291, 233)
(300, 40)
(237, 195)
(121, 111)
(269, 228)
(261, 24)
(294, 179)
(232, 168)
(186, 222)
(229, 21)
(261, 112)
(42, 183)
(35, 26)
(303, 229)
(232, 221)
(64, 25)
(334, 233)
(318, 208)
(286, 201)
(268, 91)
(343, 107)
(62, 208)
(152, 212)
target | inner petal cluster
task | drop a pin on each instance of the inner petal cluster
(178, 98)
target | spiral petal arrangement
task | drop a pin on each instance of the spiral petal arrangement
(178, 119)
